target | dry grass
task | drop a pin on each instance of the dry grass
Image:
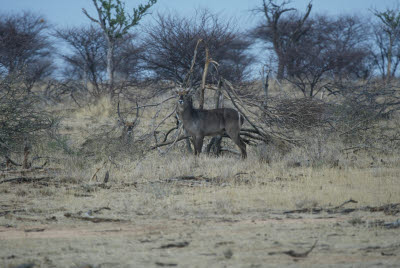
(230, 210)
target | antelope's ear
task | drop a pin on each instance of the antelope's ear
(190, 91)
(177, 90)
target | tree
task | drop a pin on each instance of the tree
(115, 23)
(87, 53)
(282, 34)
(86, 58)
(387, 36)
(25, 48)
(171, 42)
(333, 50)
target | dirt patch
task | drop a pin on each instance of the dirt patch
(225, 218)
(203, 242)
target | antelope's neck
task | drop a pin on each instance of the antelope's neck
(187, 114)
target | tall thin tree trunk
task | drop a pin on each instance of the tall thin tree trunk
(265, 81)
(281, 68)
(110, 68)
(85, 75)
(27, 150)
(389, 64)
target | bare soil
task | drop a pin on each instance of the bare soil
(53, 226)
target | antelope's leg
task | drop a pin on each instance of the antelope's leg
(198, 144)
(235, 137)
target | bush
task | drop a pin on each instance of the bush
(22, 119)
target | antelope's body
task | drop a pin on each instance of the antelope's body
(201, 123)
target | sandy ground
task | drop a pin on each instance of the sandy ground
(58, 235)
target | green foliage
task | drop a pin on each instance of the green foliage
(117, 20)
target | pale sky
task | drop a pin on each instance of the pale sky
(62, 13)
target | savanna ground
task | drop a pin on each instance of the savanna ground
(174, 209)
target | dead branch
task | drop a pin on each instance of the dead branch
(9, 160)
(189, 74)
(243, 133)
(228, 85)
(163, 120)
(95, 174)
(347, 202)
(178, 132)
(26, 179)
(175, 245)
(294, 254)
(203, 80)
(169, 132)
(390, 209)
(156, 104)
(169, 142)
(223, 149)
(92, 219)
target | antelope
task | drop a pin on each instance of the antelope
(200, 123)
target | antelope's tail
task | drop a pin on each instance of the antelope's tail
(240, 118)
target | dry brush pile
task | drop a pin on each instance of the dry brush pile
(299, 131)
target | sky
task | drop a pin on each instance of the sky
(68, 13)
(62, 13)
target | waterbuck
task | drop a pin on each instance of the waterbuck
(201, 123)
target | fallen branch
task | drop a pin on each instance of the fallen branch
(346, 202)
(392, 225)
(166, 264)
(295, 254)
(389, 209)
(34, 230)
(5, 212)
(176, 245)
(92, 219)
(223, 149)
(227, 85)
(26, 179)
(9, 160)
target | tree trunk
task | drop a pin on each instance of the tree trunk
(27, 150)
(389, 63)
(85, 76)
(281, 68)
(110, 67)
(265, 81)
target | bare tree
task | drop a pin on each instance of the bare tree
(86, 60)
(387, 37)
(128, 58)
(25, 47)
(282, 28)
(115, 23)
(333, 50)
(172, 39)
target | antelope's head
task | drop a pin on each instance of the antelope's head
(184, 98)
